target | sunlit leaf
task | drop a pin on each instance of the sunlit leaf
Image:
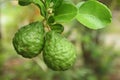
(94, 14)
(65, 12)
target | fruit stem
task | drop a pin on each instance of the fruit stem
(46, 25)
(40, 63)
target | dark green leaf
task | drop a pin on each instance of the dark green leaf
(57, 28)
(94, 14)
(65, 12)
(41, 5)
(24, 2)
(51, 20)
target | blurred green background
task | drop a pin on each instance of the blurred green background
(98, 51)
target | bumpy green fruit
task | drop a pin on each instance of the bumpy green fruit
(59, 53)
(29, 40)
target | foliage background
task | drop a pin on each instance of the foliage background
(103, 62)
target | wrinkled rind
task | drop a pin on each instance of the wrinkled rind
(29, 40)
(59, 54)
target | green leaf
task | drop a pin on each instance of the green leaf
(47, 2)
(51, 20)
(41, 5)
(94, 14)
(24, 2)
(79, 4)
(57, 28)
(57, 3)
(65, 12)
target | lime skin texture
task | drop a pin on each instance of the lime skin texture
(59, 54)
(29, 40)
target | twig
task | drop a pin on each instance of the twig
(40, 63)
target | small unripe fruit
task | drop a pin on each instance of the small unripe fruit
(59, 54)
(29, 40)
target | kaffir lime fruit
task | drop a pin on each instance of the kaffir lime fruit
(29, 40)
(59, 54)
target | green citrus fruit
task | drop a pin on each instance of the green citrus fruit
(59, 53)
(29, 40)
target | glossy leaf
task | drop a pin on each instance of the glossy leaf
(51, 20)
(57, 28)
(94, 14)
(24, 2)
(65, 12)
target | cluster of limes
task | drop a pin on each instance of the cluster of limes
(58, 52)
